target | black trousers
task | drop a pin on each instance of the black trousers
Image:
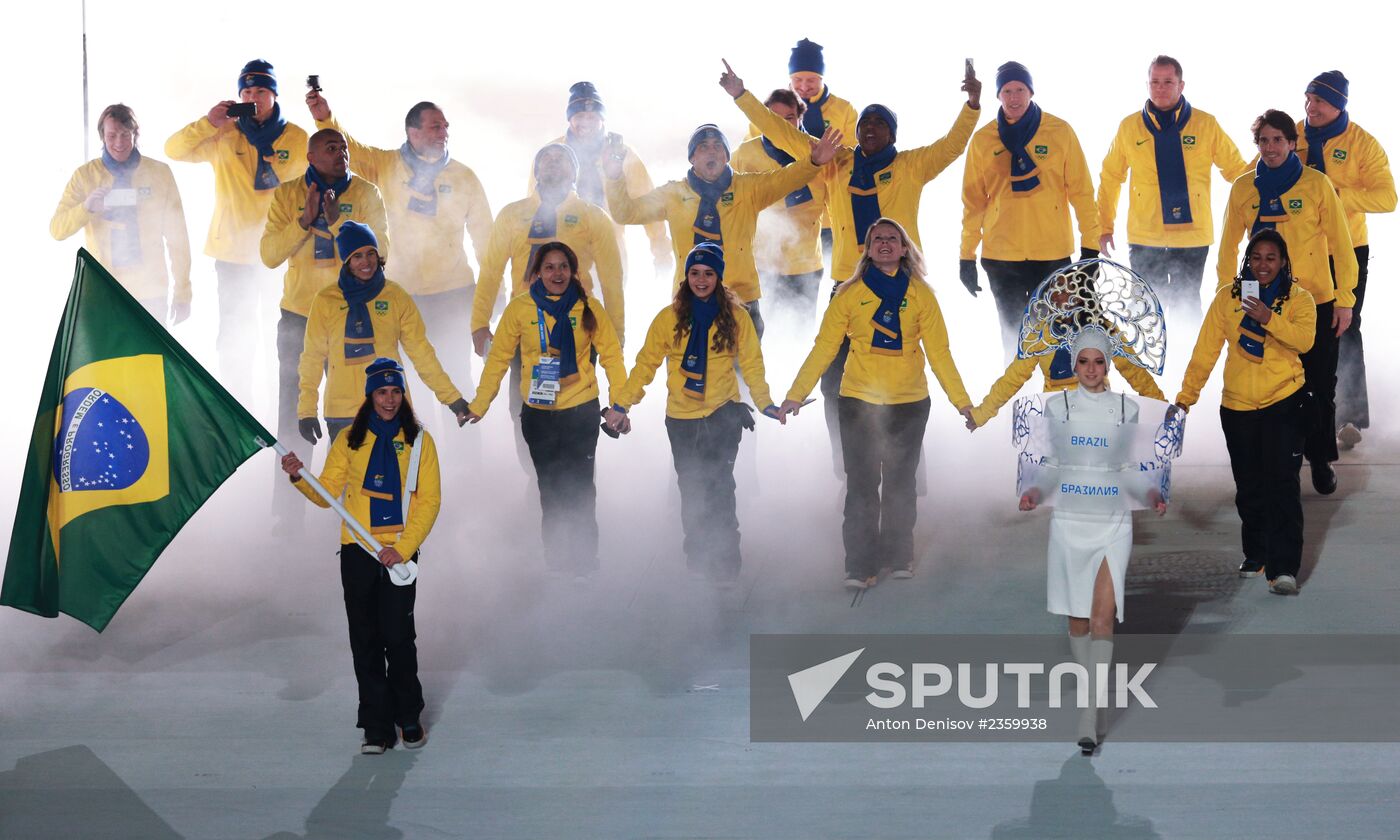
(792, 300)
(1265, 449)
(756, 315)
(336, 425)
(882, 445)
(703, 452)
(1353, 402)
(831, 391)
(1174, 274)
(1012, 282)
(447, 321)
(1320, 383)
(382, 642)
(291, 338)
(562, 446)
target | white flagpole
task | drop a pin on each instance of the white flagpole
(403, 570)
(85, 84)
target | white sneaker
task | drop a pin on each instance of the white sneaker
(853, 582)
(902, 574)
(1348, 436)
(372, 748)
(1284, 585)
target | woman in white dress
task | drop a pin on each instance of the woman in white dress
(1088, 552)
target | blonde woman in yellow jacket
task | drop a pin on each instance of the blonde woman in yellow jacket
(1166, 150)
(700, 336)
(714, 204)
(250, 156)
(893, 323)
(129, 210)
(554, 330)
(1261, 405)
(370, 464)
(1024, 172)
(1303, 206)
(363, 316)
(1357, 166)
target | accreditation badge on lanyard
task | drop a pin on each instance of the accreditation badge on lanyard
(544, 377)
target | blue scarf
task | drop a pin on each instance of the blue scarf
(706, 227)
(812, 121)
(803, 194)
(359, 328)
(590, 182)
(382, 483)
(422, 197)
(1251, 331)
(888, 338)
(561, 338)
(696, 361)
(1317, 138)
(865, 199)
(126, 226)
(261, 137)
(1025, 175)
(1165, 128)
(1272, 184)
(323, 241)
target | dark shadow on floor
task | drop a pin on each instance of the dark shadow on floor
(1163, 591)
(1319, 511)
(71, 793)
(358, 805)
(1077, 804)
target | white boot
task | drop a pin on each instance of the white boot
(1080, 648)
(1101, 653)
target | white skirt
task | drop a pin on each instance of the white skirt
(1079, 542)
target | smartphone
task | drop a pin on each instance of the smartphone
(242, 109)
(968, 72)
(314, 83)
(125, 197)
(1249, 289)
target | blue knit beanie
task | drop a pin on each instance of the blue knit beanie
(1331, 86)
(583, 96)
(706, 132)
(807, 58)
(883, 113)
(1014, 71)
(382, 373)
(352, 237)
(257, 73)
(706, 253)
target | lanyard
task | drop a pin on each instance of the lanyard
(544, 336)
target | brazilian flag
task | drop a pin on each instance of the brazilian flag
(131, 437)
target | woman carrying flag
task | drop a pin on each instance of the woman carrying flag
(557, 331)
(387, 468)
(699, 335)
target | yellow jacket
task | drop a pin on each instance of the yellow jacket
(1018, 373)
(431, 254)
(675, 203)
(639, 182)
(721, 386)
(1359, 169)
(159, 214)
(1316, 227)
(1031, 225)
(284, 240)
(1203, 144)
(899, 187)
(584, 228)
(878, 378)
(1251, 384)
(397, 322)
(344, 472)
(787, 239)
(518, 332)
(239, 210)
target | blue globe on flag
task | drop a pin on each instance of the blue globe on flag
(100, 445)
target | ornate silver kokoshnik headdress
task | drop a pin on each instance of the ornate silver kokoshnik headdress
(1100, 293)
